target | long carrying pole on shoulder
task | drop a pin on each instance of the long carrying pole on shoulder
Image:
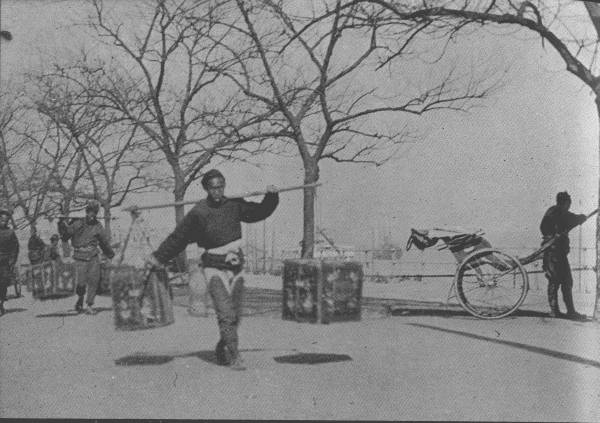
(70, 216)
(240, 195)
(592, 213)
(551, 241)
(135, 214)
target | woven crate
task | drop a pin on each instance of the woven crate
(321, 291)
(42, 280)
(65, 278)
(50, 279)
(34, 277)
(140, 304)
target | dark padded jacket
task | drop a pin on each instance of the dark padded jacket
(212, 225)
(9, 247)
(559, 222)
(36, 249)
(86, 235)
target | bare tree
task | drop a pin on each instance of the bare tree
(8, 114)
(552, 20)
(26, 167)
(110, 155)
(309, 80)
(173, 60)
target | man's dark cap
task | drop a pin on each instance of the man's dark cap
(563, 197)
(211, 174)
(92, 205)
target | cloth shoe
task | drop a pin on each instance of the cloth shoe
(89, 310)
(237, 364)
(573, 315)
(555, 313)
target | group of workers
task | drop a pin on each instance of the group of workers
(214, 224)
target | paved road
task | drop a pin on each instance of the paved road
(417, 362)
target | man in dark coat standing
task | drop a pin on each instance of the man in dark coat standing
(53, 250)
(9, 252)
(36, 248)
(215, 225)
(556, 223)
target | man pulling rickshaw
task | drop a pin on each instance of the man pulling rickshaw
(556, 224)
(490, 283)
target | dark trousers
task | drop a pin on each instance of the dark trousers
(88, 276)
(558, 272)
(6, 278)
(228, 307)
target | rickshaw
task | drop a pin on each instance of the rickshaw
(488, 283)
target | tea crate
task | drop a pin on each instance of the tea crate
(140, 300)
(322, 291)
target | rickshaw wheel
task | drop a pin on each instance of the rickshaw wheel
(490, 284)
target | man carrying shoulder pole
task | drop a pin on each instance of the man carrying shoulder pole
(86, 236)
(214, 223)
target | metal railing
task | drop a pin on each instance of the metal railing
(439, 265)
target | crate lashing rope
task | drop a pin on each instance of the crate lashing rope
(536, 255)
(149, 270)
(144, 232)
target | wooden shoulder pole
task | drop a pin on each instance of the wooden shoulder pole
(239, 195)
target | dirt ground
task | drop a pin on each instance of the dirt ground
(409, 358)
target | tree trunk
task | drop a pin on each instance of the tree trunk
(5, 195)
(311, 175)
(32, 227)
(596, 315)
(594, 12)
(179, 194)
(64, 209)
(107, 219)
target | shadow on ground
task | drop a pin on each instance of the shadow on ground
(312, 358)
(14, 310)
(72, 312)
(144, 359)
(53, 297)
(531, 348)
(454, 312)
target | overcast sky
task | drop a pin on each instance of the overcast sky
(497, 167)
